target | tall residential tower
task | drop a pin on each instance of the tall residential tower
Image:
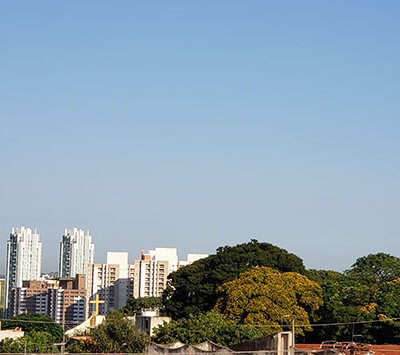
(24, 258)
(76, 252)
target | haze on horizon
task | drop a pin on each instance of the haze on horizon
(202, 124)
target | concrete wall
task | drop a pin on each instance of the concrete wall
(11, 334)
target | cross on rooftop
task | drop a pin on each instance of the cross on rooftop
(97, 302)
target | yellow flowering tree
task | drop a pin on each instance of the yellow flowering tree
(268, 298)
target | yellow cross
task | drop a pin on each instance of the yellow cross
(96, 301)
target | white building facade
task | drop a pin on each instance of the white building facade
(166, 254)
(23, 260)
(152, 270)
(191, 258)
(112, 282)
(76, 252)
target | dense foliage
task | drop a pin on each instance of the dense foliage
(266, 297)
(369, 291)
(33, 342)
(134, 305)
(375, 269)
(193, 288)
(210, 326)
(343, 300)
(117, 335)
(35, 323)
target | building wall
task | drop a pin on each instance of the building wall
(76, 252)
(166, 254)
(191, 258)
(2, 296)
(11, 334)
(64, 301)
(150, 278)
(148, 321)
(112, 282)
(67, 306)
(24, 256)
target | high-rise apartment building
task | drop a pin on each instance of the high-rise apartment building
(24, 259)
(76, 252)
(150, 276)
(67, 302)
(112, 282)
(166, 254)
(62, 299)
(152, 270)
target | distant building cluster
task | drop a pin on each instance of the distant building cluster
(68, 297)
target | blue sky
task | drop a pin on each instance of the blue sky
(202, 124)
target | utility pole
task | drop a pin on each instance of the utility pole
(293, 335)
(63, 339)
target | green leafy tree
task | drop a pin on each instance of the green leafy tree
(375, 269)
(134, 305)
(34, 342)
(35, 323)
(193, 288)
(368, 291)
(210, 326)
(266, 297)
(11, 346)
(344, 300)
(117, 335)
(321, 276)
(349, 299)
(385, 307)
(78, 346)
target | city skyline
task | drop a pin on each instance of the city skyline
(52, 264)
(205, 124)
(80, 240)
(69, 296)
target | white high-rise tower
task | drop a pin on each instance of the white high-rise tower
(76, 252)
(24, 258)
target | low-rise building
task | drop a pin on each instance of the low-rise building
(11, 334)
(148, 320)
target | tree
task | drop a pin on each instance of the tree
(35, 323)
(344, 300)
(321, 276)
(210, 326)
(375, 269)
(78, 346)
(368, 291)
(117, 335)
(193, 288)
(384, 308)
(33, 342)
(134, 305)
(266, 297)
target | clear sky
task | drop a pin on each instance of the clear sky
(198, 124)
